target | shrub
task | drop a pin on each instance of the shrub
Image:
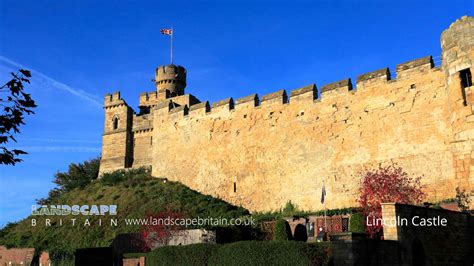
(113, 178)
(282, 231)
(357, 223)
(228, 234)
(270, 253)
(61, 256)
(242, 253)
(78, 176)
(195, 254)
(462, 199)
(290, 208)
(131, 177)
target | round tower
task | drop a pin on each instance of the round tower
(457, 44)
(170, 81)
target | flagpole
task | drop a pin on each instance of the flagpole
(325, 222)
(171, 52)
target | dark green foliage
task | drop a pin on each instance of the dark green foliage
(290, 209)
(228, 234)
(267, 216)
(332, 212)
(260, 253)
(15, 103)
(196, 254)
(242, 253)
(357, 223)
(449, 200)
(463, 199)
(61, 256)
(78, 176)
(128, 178)
(282, 231)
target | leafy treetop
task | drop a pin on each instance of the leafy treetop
(16, 103)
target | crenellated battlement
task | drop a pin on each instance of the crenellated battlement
(344, 85)
(148, 98)
(112, 100)
(180, 106)
(309, 94)
(261, 151)
(166, 105)
(418, 66)
(201, 108)
(170, 80)
(278, 97)
(226, 104)
(178, 112)
(374, 77)
(404, 71)
(251, 100)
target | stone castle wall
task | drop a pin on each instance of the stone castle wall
(261, 152)
(281, 151)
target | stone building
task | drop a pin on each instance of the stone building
(261, 152)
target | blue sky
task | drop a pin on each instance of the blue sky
(80, 50)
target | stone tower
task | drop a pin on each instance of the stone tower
(128, 136)
(457, 43)
(117, 140)
(170, 81)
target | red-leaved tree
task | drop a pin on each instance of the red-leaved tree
(387, 184)
(161, 228)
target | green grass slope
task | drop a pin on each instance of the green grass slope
(135, 193)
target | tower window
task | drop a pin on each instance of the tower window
(151, 140)
(466, 81)
(235, 187)
(115, 123)
(466, 78)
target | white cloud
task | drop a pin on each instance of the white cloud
(91, 98)
(60, 140)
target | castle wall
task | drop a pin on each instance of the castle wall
(142, 140)
(261, 152)
(282, 151)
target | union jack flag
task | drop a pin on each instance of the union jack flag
(323, 193)
(166, 31)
